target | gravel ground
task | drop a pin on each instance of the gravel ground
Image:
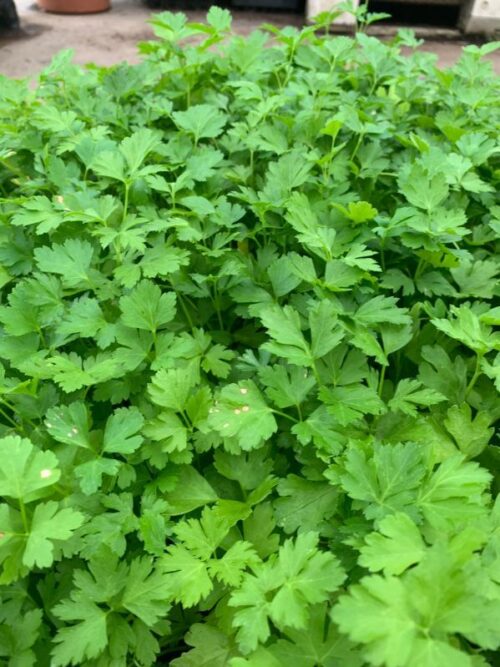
(111, 37)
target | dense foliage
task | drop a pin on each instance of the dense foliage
(250, 373)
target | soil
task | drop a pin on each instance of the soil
(111, 37)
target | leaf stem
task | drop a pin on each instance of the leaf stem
(24, 518)
(185, 419)
(381, 381)
(125, 201)
(420, 268)
(9, 405)
(11, 167)
(283, 414)
(315, 371)
(182, 304)
(216, 302)
(474, 378)
(9, 418)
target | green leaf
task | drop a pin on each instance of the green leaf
(25, 470)
(375, 614)
(308, 647)
(69, 424)
(230, 568)
(360, 211)
(287, 173)
(49, 524)
(86, 319)
(120, 434)
(190, 492)
(168, 429)
(381, 309)
(147, 591)
(71, 372)
(283, 325)
(396, 546)
(147, 308)
(211, 648)
(203, 121)
(326, 332)
(19, 635)
(189, 576)
(40, 212)
(283, 590)
(310, 576)
(286, 386)
(71, 260)
(304, 505)
(137, 147)
(258, 529)
(351, 403)
(421, 189)
(240, 412)
(454, 493)
(403, 621)
(109, 164)
(385, 482)
(84, 640)
(193, 563)
(471, 435)
(172, 388)
(90, 474)
(249, 469)
(467, 328)
(409, 395)
(219, 18)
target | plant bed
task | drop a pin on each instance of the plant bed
(250, 365)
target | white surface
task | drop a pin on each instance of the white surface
(481, 16)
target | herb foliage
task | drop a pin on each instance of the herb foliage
(250, 365)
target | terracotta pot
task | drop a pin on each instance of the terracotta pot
(74, 6)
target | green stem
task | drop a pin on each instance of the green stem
(180, 299)
(185, 419)
(9, 418)
(42, 337)
(13, 408)
(315, 371)
(125, 201)
(58, 488)
(358, 144)
(283, 414)
(243, 492)
(215, 301)
(382, 254)
(24, 518)
(474, 378)
(381, 381)
(420, 268)
(11, 167)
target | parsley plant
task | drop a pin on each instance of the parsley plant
(250, 369)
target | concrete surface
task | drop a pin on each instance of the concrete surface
(111, 37)
(481, 16)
